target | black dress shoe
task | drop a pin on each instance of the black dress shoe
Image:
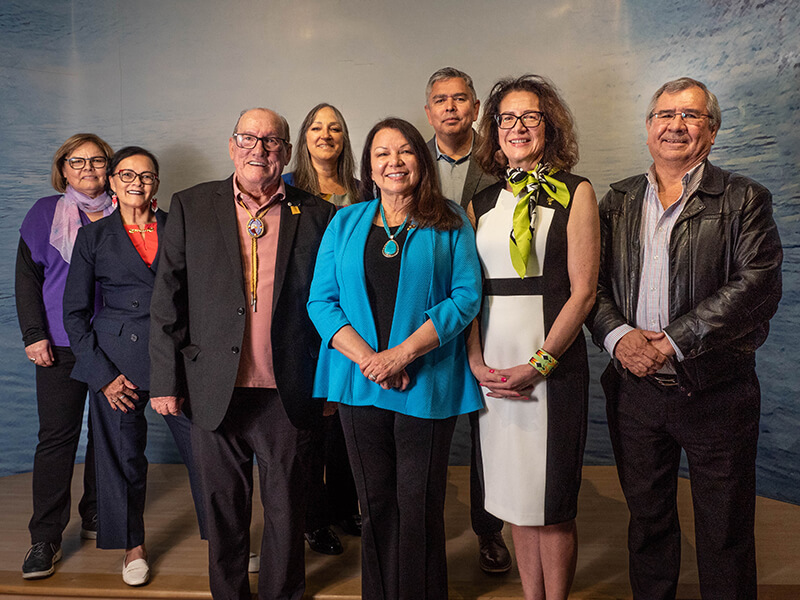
(494, 556)
(324, 541)
(351, 525)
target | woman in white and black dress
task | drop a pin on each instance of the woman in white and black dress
(538, 238)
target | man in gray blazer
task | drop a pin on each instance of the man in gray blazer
(452, 107)
(232, 345)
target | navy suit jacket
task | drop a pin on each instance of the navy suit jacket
(199, 303)
(116, 341)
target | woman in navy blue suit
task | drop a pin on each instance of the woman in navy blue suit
(120, 253)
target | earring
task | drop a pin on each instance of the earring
(374, 190)
(114, 199)
(154, 204)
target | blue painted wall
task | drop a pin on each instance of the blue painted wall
(172, 76)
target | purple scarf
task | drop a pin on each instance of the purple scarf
(67, 218)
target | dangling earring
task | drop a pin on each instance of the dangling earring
(374, 190)
(114, 199)
(154, 204)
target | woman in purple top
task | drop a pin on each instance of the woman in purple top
(46, 240)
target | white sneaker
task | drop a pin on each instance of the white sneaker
(136, 572)
(254, 563)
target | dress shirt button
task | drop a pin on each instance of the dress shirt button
(240, 311)
(135, 304)
(235, 349)
(134, 337)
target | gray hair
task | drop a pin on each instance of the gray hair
(449, 73)
(684, 83)
(280, 116)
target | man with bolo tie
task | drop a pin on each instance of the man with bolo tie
(690, 275)
(232, 345)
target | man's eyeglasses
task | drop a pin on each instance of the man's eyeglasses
(129, 176)
(689, 117)
(248, 142)
(78, 163)
(529, 119)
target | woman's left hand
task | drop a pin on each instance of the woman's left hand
(120, 393)
(514, 383)
(382, 366)
(329, 408)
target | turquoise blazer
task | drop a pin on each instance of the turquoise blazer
(440, 280)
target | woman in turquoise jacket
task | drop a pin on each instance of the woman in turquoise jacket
(396, 283)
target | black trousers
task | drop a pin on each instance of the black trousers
(400, 467)
(255, 425)
(332, 490)
(718, 430)
(60, 402)
(483, 522)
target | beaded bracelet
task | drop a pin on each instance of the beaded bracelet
(543, 362)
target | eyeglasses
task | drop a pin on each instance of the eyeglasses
(129, 176)
(689, 117)
(248, 142)
(529, 120)
(96, 161)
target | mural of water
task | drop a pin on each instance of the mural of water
(173, 76)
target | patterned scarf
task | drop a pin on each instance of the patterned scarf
(525, 186)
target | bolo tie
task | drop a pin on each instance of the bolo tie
(256, 228)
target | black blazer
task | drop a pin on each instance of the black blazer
(116, 341)
(199, 303)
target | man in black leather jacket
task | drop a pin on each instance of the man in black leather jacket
(690, 276)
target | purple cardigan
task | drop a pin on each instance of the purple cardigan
(35, 234)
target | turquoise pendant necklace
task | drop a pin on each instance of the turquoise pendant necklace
(391, 248)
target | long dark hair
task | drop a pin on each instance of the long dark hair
(305, 176)
(429, 208)
(560, 140)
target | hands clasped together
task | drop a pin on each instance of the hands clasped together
(643, 352)
(512, 383)
(387, 368)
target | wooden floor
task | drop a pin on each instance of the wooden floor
(178, 556)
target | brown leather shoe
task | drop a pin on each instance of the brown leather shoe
(494, 556)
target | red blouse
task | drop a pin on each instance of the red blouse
(145, 241)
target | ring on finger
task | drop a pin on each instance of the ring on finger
(33, 360)
(372, 377)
